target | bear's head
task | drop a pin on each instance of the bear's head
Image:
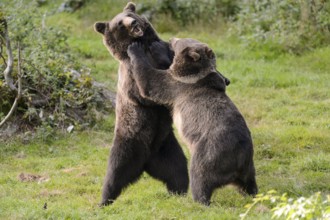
(192, 61)
(122, 30)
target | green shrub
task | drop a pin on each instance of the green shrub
(58, 91)
(190, 11)
(290, 26)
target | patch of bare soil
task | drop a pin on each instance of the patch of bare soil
(26, 177)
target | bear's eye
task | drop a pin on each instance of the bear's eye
(120, 23)
(134, 23)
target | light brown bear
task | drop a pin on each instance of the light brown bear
(214, 130)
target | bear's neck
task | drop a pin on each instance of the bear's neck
(182, 69)
(188, 72)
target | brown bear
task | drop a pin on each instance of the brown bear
(216, 133)
(144, 139)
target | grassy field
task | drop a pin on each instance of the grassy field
(284, 99)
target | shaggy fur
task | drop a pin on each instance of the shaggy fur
(144, 140)
(214, 130)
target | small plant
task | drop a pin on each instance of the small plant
(314, 207)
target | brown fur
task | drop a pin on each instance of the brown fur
(144, 140)
(214, 130)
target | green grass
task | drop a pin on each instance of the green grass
(284, 99)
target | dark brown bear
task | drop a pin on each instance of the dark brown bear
(144, 140)
(214, 130)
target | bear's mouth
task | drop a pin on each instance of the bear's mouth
(137, 31)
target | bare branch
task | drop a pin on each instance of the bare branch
(10, 62)
(19, 91)
(1, 48)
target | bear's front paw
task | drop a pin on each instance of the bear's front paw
(135, 49)
(161, 55)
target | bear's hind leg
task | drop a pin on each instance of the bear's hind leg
(251, 187)
(247, 187)
(247, 182)
(207, 174)
(201, 189)
(169, 165)
(202, 178)
(125, 166)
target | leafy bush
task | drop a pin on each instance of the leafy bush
(71, 5)
(190, 11)
(58, 91)
(290, 26)
(314, 207)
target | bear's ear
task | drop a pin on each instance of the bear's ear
(100, 27)
(209, 53)
(130, 7)
(194, 55)
(191, 53)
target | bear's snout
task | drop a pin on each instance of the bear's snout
(128, 21)
(133, 27)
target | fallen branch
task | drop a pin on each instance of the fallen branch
(19, 91)
(10, 62)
